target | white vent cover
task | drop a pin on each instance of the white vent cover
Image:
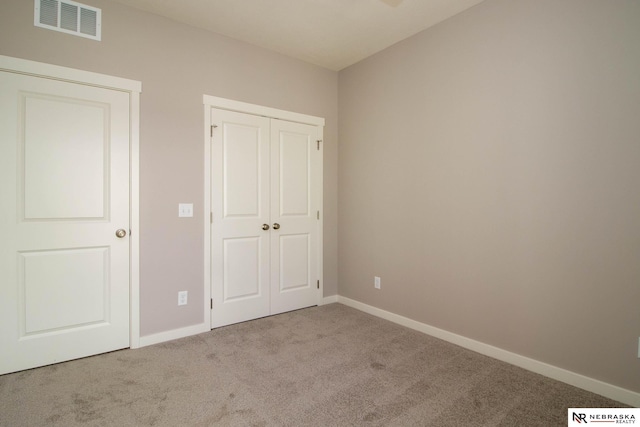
(68, 17)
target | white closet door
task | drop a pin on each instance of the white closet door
(265, 228)
(295, 162)
(240, 207)
(64, 182)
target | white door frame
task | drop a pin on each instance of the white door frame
(258, 110)
(134, 88)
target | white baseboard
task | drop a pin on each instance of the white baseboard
(173, 334)
(329, 300)
(595, 386)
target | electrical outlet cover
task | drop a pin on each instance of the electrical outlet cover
(182, 297)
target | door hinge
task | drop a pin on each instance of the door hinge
(212, 303)
(319, 141)
(318, 284)
(211, 217)
(318, 215)
(212, 128)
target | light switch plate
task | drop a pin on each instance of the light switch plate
(185, 210)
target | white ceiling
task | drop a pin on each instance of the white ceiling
(331, 33)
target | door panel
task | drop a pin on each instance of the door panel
(64, 181)
(59, 131)
(63, 289)
(294, 262)
(242, 269)
(241, 164)
(240, 206)
(294, 203)
(294, 177)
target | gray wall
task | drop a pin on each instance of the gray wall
(489, 173)
(177, 64)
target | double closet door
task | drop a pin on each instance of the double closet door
(265, 239)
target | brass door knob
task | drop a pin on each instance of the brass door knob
(276, 226)
(265, 226)
(120, 233)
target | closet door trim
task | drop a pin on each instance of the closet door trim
(258, 110)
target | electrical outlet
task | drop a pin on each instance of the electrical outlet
(376, 282)
(182, 297)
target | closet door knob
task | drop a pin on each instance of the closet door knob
(265, 226)
(276, 226)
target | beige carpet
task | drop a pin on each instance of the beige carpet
(322, 366)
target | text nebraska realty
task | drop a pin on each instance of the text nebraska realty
(606, 418)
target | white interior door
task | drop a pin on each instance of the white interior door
(64, 183)
(240, 207)
(265, 216)
(295, 162)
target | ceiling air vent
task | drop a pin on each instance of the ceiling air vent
(68, 17)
